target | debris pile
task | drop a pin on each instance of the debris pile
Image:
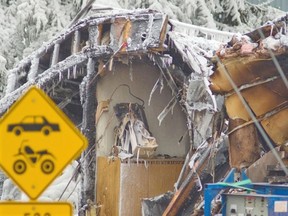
(252, 68)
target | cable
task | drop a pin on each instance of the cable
(129, 90)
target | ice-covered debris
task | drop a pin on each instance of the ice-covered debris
(158, 83)
(271, 43)
(148, 38)
(195, 51)
(284, 40)
(11, 81)
(169, 108)
(165, 60)
(198, 96)
(10, 191)
(198, 32)
(10, 98)
(82, 89)
(156, 205)
(65, 187)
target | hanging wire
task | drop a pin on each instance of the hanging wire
(129, 90)
(251, 114)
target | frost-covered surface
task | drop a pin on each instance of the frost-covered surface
(65, 187)
(42, 80)
(207, 33)
(151, 27)
(26, 24)
(201, 105)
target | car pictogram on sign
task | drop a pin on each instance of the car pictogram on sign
(32, 124)
(27, 155)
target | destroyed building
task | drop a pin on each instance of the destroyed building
(158, 109)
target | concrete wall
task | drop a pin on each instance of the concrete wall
(145, 74)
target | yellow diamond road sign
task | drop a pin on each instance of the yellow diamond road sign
(35, 209)
(37, 141)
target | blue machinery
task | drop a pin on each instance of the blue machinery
(258, 200)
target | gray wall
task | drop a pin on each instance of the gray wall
(145, 75)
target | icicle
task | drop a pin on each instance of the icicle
(68, 73)
(153, 90)
(75, 71)
(145, 164)
(166, 60)
(161, 83)
(166, 110)
(130, 70)
(11, 82)
(55, 55)
(33, 69)
(271, 30)
(111, 64)
(60, 75)
(82, 89)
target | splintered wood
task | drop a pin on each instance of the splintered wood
(250, 60)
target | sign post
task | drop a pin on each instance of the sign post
(37, 142)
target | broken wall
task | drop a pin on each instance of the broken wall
(140, 77)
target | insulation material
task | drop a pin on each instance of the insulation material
(243, 70)
(277, 127)
(155, 205)
(261, 77)
(261, 99)
(243, 152)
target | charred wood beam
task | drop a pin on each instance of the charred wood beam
(76, 42)
(89, 130)
(72, 82)
(68, 100)
(53, 74)
(82, 12)
(144, 15)
(188, 184)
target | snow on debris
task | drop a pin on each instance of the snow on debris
(200, 103)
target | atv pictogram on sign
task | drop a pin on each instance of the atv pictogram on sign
(26, 155)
